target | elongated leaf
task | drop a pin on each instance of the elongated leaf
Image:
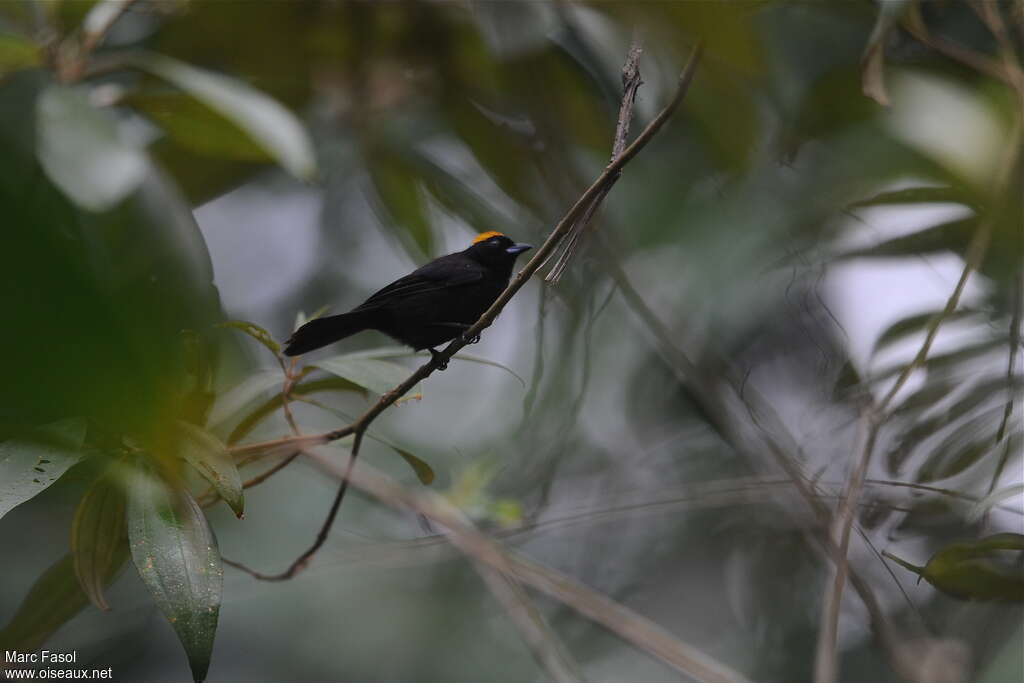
(210, 458)
(175, 552)
(987, 569)
(98, 538)
(403, 352)
(402, 201)
(378, 376)
(256, 332)
(195, 126)
(993, 499)
(917, 195)
(55, 598)
(424, 472)
(914, 324)
(82, 150)
(242, 394)
(950, 236)
(272, 404)
(264, 120)
(32, 462)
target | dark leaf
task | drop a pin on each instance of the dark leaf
(917, 195)
(423, 471)
(98, 538)
(175, 552)
(913, 324)
(55, 598)
(950, 236)
(402, 200)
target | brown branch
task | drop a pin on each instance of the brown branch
(514, 286)
(631, 82)
(632, 627)
(302, 560)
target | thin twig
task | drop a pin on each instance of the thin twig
(632, 627)
(302, 560)
(631, 82)
(966, 56)
(514, 286)
(1011, 364)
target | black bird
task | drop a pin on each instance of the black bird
(430, 306)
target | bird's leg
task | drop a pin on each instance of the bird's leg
(435, 356)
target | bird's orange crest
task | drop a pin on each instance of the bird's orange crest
(487, 235)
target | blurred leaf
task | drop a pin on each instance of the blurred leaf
(951, 236)
(398, 190)
(265, 121)
(17, 52)
(944, 362)
(848, 380)
(256, 332)
(210, 458)
(233, 400)
(55, 598)
(964, 447)
(889, 14)
(30, 463)
(197, 127)
(913, 324)
(98, 538)
(423, 471)
(993, 499)
(918, 195)
(83, 152)
(301, 319)
(175, 552)
(271, 405)
(403, 352)
(989, 569)
(378, 376)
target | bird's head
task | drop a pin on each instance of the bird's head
(492, 248)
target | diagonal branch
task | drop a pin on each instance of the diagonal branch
(628, 625)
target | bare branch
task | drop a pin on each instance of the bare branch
(632, 627)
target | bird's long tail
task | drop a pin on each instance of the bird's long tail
(323, 331)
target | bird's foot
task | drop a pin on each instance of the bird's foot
(436, 357)
(475, 339)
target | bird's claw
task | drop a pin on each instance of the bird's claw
(435, 356)
(475, 339)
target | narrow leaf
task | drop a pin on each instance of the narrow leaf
(268, 123)
(236, 399)
(82, 150)
(914, 324)
(423, 471)
(210, 458)
(377, 376)
(256, 332)
(54, 599)
(98, 538)
(917, 195)
(175, 552)
(32, 462)
(272, 404)
(993, 499)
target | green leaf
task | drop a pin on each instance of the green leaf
(914, 324)
(301, 319)
(401, 198)
(30, 463)
(424, 472)
(82, 150)
(249, 422)
(55, 598)
(175, 552)
(17, 52)
(378, 376)
(988, 569)
(196, 127)
(917, 195)
(98, 538)
(403, 352)
(256, 332)
(242, 394)
(210, 458)
(950, 236)
(269, 124)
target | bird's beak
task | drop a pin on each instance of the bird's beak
(517, 249)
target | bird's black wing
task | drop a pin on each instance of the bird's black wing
(442, 273)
